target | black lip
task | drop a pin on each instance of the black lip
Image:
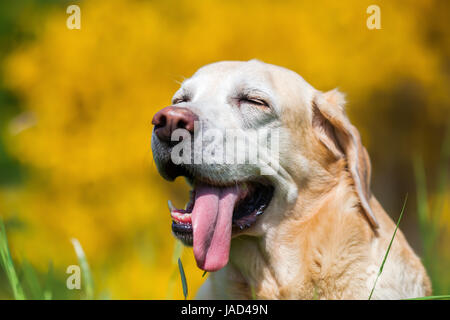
(183, 232)
(171, 171)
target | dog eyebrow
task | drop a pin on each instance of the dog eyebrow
(183, 94)
(250, 92)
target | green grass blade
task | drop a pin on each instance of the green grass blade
(429, 226)
(389, 247)
(32, 281)
(445, 297)
(315, 293)
(204, 274)
(422, 194)
(183, 279)
(86, 271)
(8, 264)
(48, 287)
(252, 291)
(442, 179)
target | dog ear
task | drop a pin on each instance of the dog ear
(340, 137)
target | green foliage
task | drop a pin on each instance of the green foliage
(431, 226)
(444, 297)
(32, 281)
(8, 265)
(85, 270)
(29, 287)
(183, 279)
(388, 248)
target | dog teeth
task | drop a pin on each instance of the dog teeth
(171, 206)
(179, 217)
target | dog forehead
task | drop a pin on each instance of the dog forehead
(226, 75)
(290, 93)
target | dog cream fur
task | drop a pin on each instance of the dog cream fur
(324, 235)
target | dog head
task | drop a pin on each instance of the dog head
(248, 136)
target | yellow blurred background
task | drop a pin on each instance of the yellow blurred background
(76, 109)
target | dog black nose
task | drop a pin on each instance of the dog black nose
(171, 118)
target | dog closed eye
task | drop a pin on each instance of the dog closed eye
(254, 97)
(253, 101)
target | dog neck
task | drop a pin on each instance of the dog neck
(322, 236)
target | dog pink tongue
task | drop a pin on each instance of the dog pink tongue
(211, 220)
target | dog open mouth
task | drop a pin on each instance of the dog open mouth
(215, 213)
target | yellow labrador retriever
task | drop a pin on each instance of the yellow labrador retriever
(280, 205)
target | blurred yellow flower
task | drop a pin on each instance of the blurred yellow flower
(93, 92)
